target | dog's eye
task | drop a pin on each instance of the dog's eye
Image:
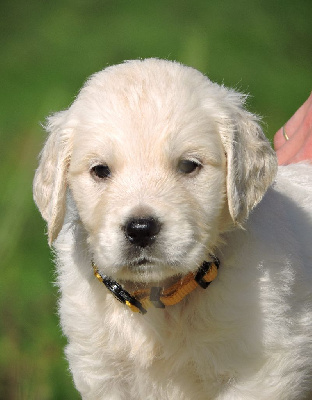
(101, 171)
(188, 166)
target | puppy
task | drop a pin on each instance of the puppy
(160, 184)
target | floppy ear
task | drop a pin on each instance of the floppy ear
(50, 182)
(251, 161)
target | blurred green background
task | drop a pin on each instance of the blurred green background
(48, 49)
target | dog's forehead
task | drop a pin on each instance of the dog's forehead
(137, 136)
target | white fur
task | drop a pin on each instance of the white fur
(249, 335)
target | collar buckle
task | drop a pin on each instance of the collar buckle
(155, 294)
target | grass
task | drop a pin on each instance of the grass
(48, 49)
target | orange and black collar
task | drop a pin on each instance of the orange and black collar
(140, 300)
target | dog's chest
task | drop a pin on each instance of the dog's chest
(170, 351)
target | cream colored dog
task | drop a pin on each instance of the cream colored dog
(153, 174)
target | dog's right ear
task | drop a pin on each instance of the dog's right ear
(50, 182)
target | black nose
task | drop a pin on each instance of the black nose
(142, 231)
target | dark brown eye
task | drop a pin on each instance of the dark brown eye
(188, 166)
(101, 171)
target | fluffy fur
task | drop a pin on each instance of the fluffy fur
(249, 335)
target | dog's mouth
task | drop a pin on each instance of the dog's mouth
(142, 264)
(145, 269)
(142, 261)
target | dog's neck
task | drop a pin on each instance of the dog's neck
(133, 286)
(159, 296)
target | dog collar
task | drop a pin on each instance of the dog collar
(159, 297)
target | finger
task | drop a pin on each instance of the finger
(279, 138)
(300, 143)
(305, 153)
(292, 124)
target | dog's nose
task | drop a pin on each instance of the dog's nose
(142, 231)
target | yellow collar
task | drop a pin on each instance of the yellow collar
(140, 300)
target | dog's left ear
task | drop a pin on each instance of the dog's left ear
(251, 161)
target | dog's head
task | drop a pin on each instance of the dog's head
(158, 159)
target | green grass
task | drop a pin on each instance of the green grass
(48, 49)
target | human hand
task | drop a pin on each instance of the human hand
(293, 142)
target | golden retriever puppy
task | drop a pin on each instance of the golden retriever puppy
(160, 191)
